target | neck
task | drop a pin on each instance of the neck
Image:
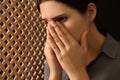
(95, 43)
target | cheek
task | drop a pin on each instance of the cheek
(76, 29)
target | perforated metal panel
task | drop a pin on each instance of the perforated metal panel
(22, 40)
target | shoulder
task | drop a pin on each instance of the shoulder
(107, 64)
(111, 47)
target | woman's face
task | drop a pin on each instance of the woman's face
(75, 22)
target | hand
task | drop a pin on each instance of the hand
(55, 68)
(70, 54)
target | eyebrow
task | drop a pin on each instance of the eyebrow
(56, 17)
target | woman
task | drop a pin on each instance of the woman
(76, 49)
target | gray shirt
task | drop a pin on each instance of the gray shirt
(105, 67)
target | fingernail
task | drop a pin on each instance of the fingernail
(52, 23)
(48, 24)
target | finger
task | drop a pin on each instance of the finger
(50, 57)
(46, 42)
(60, 33)
(53, 45)
(47, 49)
(56, 38)
(47, 33)
(48, 30)
(67, 33)
(84, 41)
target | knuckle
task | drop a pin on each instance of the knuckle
(54, 47)
(61, 35)
(54, 35)
(68, 48)
(60, 57)
(56, 40)
(73, 44)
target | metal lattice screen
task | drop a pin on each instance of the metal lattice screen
(22, 40)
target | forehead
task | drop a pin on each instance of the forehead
(52, 8)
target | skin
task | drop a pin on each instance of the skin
(73, 41)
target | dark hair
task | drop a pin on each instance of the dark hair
(81, 6)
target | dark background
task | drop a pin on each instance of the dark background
(109, 14)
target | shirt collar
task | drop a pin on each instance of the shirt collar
(110, 46)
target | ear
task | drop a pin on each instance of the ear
(91, 11)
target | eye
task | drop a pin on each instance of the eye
(61, 19)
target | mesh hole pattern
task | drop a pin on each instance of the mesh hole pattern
(22, 38)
